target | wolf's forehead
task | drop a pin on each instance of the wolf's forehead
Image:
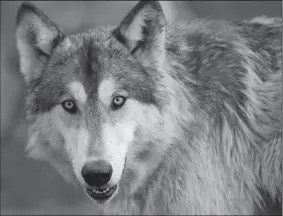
(105, 90)
(99, 39)
(84, 57)
(92, 67)
(78, 91)
(92, 52)
(95, 67)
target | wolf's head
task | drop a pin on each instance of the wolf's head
(94, 103)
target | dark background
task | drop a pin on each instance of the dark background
(32, 187)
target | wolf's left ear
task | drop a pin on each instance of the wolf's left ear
(143, 31)
(37, 36)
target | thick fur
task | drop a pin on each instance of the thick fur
(200, 132)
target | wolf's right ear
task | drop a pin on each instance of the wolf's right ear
(142, 31)
(37, 36)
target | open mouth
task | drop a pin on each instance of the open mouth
(101, 195)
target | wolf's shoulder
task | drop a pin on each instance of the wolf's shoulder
(261, 36)
(262, 32)
(261, 29)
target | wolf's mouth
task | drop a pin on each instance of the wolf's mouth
(101, 195)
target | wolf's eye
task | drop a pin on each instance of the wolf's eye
(69, 106)
(118, 102)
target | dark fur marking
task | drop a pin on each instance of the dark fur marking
(144, 155)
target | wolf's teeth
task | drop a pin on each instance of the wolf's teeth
(101, 191)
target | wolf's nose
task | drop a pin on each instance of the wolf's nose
(97, 173)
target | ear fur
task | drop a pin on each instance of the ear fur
(142, 31)
(36, 37)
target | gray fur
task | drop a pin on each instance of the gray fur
(225, 99)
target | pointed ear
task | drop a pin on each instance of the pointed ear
(37, 36)
(143, 32)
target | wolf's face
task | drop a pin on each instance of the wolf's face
(92, 98)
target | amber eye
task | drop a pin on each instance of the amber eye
(69, 106)
(118, 102)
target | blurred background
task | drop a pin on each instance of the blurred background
(32, 187)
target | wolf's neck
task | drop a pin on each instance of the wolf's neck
(166, 186)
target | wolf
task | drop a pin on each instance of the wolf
(152, 118)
